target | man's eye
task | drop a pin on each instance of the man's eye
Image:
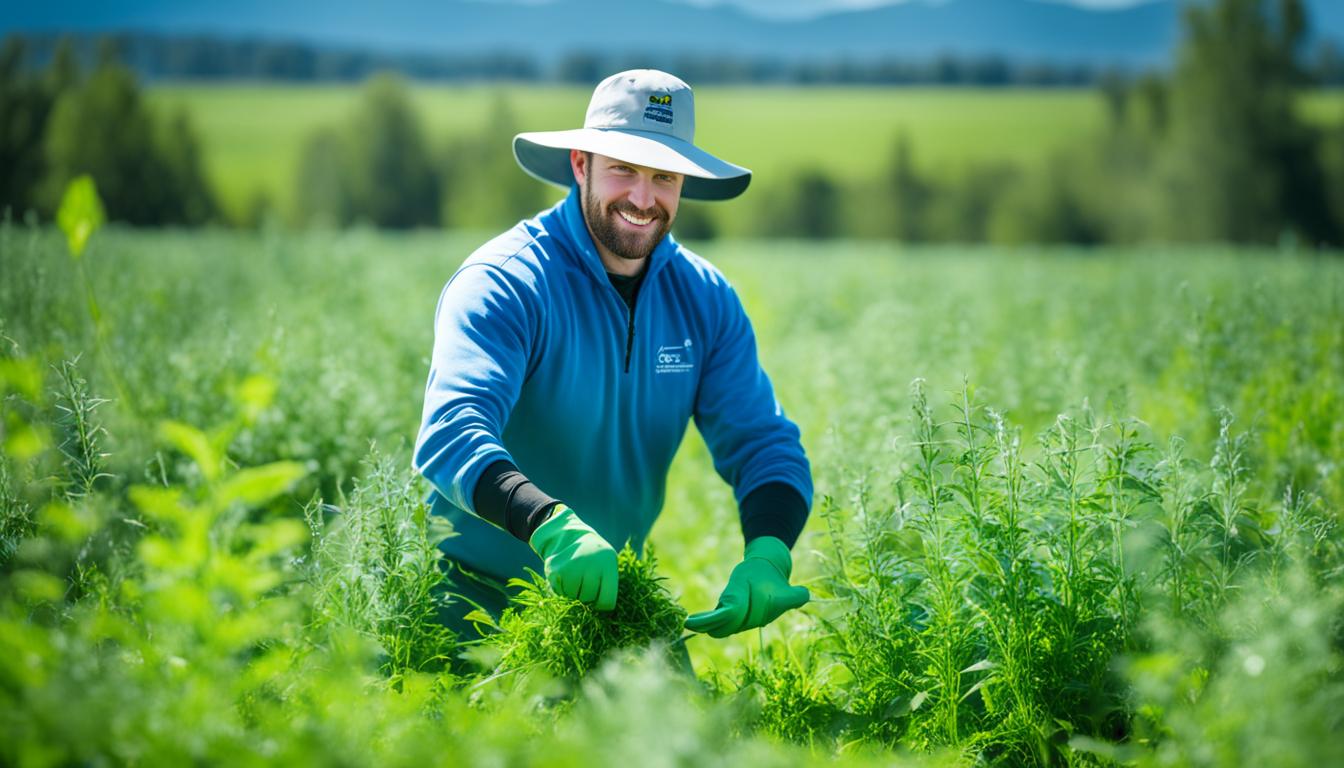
(665, 177)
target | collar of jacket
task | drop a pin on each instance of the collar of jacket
(565, 222)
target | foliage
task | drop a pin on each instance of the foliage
(994, 582)
(807, 206)
(26, 104)
(483, 186)
(374, 169)
(81, 214)
(374, 566)
(1242, 164)
(1008, 166)
(788, 699)
(568, 639)
(254, 135)
(148, 172)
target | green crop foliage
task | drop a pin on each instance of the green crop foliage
(564, 638)
(1101, 527)
(374, 567)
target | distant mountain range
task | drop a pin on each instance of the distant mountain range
(1026, 30)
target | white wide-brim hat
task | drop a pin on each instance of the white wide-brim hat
(644, 117)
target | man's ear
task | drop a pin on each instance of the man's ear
(578, 161)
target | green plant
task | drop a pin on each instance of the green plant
(81, 434)
(374, 567)
(789, 699)
(567, 639)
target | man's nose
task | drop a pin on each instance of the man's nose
(641, 194)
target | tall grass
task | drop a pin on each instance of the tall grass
(1005, 574)
(374, 569)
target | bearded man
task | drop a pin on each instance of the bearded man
(571, 352)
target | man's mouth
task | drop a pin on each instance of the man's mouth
(638, 221)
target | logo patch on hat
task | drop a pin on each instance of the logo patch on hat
(659, 109)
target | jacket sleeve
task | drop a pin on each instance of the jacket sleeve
(750, 438)
(483, 337)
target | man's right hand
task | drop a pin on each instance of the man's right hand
(580, 564)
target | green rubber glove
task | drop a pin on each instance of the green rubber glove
(758, 592)
(580, 564)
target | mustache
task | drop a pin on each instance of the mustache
(656, 212)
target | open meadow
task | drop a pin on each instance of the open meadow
(252, 135)
(1073, 506)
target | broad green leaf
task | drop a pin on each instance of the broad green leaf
(975, 688)
(918, 700)
(26, 653)
(161, 504)
(80, 214)
(241, 578)
(24, 441)
(481, 618)
(23, 376)
(274, 537)
(254, 395)
(37, 586)
(193, 443)
(68, 523)
(258, 485)
(180, 602)
(268, 668)
(246, 629)
(169, 555)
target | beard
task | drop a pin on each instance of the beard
(632, 246)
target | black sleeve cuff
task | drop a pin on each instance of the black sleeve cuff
(505, 497)
(774, 509)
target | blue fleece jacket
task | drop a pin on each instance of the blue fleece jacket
(537, 361)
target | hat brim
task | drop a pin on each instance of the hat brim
(545, 155)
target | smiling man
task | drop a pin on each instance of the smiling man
(571, 353)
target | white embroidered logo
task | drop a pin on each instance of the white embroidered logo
(674, 359)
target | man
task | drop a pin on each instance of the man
(571, 352)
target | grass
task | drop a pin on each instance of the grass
(1101, 526)
(252, 134)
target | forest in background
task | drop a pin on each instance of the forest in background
(1215, 150)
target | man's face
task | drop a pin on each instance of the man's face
(629, 208)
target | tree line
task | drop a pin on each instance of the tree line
(1215, 150)
(205, 57)
(209, 57)
(61, 122)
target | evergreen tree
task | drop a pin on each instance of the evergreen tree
(910, 194)
(147, 172)
(392, 181)
(186, 183)
(1240, 164)
(25, 106)
(321, 194)
(483, 185)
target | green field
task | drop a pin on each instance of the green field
(1110, 538)
(252, 134)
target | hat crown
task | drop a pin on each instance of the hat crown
(644, 100)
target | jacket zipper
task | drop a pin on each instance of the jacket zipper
(629, 336)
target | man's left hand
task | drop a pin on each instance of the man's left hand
(758, 592)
